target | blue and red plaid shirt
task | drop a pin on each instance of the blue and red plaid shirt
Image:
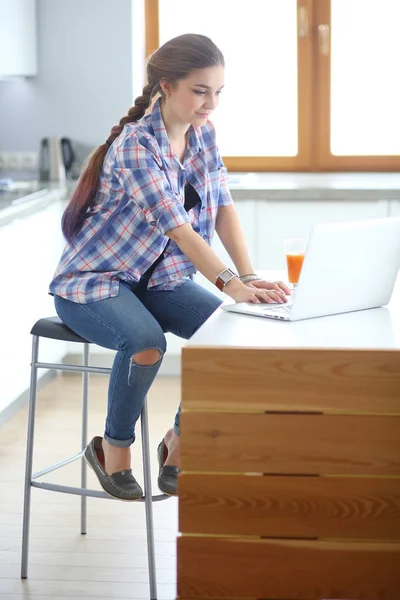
(140, 198)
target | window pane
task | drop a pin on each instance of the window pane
(257, 115)
(365, 90)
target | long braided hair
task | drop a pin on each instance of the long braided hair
(173, 61)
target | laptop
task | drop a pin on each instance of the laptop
(348, 266)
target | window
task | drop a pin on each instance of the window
(311, 85)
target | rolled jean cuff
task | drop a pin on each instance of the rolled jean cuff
(119, 443)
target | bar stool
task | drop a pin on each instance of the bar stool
(55, 329)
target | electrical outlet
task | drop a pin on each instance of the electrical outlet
(13, 162)
(29, 161)
(18, 161)
(9, 161)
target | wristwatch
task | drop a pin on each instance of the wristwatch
(224, 278)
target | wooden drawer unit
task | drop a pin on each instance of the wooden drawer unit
(290, 482)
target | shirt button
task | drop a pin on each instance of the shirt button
(205, 237)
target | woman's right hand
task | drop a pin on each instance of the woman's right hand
(239, 292)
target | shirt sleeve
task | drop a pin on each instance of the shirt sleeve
(225, 196)
(214, 161)
(140, 173)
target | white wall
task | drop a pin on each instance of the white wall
(85, 75)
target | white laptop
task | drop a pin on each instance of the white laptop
(347, 266)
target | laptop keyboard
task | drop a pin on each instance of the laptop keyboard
(282, 308)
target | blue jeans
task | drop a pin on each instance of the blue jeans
(131, 322)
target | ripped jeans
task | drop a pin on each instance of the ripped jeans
(131, 322)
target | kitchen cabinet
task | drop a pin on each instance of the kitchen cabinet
(18, 38)
(30, 248)
(395, 208)
(277, 220)
(266, 222)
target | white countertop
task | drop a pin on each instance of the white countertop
(54, 192)
(309, 186)
(377, 328)
(263, 186)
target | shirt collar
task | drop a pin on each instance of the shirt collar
(194, 143)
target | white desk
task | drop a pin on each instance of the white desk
(377, 328)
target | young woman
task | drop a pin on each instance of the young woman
(140, 222)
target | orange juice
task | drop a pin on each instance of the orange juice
(294, 264)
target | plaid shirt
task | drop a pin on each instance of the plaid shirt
(140, 198)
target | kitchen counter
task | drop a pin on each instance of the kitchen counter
(317, 186)
(271, 207)
(290, 457)
(257, 186)
(39, 197)
(31, 243)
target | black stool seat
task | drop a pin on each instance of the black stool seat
(54, 328)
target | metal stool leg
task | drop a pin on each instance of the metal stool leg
(144, 422)
(85, 390)
(29, 458)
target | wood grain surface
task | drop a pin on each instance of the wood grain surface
(243, 379)
(291, 444)
(306, 570)
(297, 507)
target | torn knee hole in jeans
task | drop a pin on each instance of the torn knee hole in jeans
(150, 356)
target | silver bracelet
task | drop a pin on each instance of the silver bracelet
(249, 277)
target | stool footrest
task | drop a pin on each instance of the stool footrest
(66, 489)
(67, 461)
(76, 368)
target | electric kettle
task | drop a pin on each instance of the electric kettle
(55, 159)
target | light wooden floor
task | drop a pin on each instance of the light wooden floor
(111, 560)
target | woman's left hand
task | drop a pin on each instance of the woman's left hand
(278, 286)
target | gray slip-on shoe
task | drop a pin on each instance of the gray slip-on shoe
(167, 475)
(122, 484)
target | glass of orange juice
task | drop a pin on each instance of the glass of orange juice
(295, 250)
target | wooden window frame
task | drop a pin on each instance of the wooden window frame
(314, 68)
(326, 160)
